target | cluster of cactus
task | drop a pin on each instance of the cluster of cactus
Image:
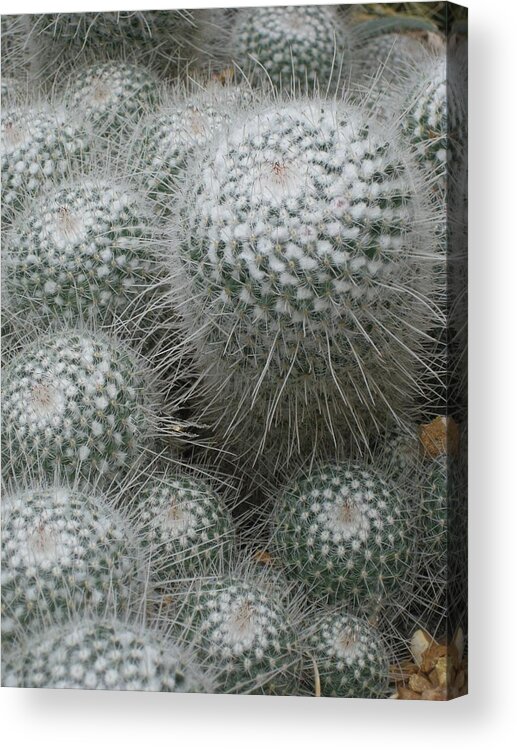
(224, 296)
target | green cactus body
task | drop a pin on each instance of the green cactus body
(300, 46)
(38, 143)
(63, 550)
(79, 252)
(101, 654)
(345, 532)
(112, 96)
(306, 267)
(246, 632)
(184, 525)
(74, 401)
(350, 655)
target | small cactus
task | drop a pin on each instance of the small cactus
(166, 139)
(111, 95)
(183, 525)
(39, 142)
(63, 550)
(103, 654)
(246, 631)
(292, 47)
(75, 401)
(79, 252)
(351, 658)
(345, 532)
(384, 49)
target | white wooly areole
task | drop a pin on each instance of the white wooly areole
(308, 276)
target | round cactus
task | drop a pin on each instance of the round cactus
(79, 252)
(63, 550)
(424, 121)
(350, 655)
(246, 632)
(384, 49)
(184, 526)
(166, 139)
(99, 654)
(156, 37)
(306, 271)
(111, 95)
(291, 46)
(74, 401)
(38, 142)
(345, 532)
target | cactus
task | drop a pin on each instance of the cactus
(424, 122)
(384, 49)
(306, 276)
(38, 142)
(63, 550)
(345, 532)
(104, 654)
(167, 138)
(291, 47)
(245, 630)
(75, 401)
(157, 38)
(111, 95)
(79, 252)
(184, 526)
(351, 658)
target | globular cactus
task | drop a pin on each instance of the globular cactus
(351, 657)
(111, 95)
(293, 47)
(76, 401)
(384, 49)
(183, 526)
(245, 630)
(104, 654)
(306, 276)
(39, 142)
(63, 550)
(165, 139)
(158, 38)
(425, 122)
(81, 251)
(345, 531)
